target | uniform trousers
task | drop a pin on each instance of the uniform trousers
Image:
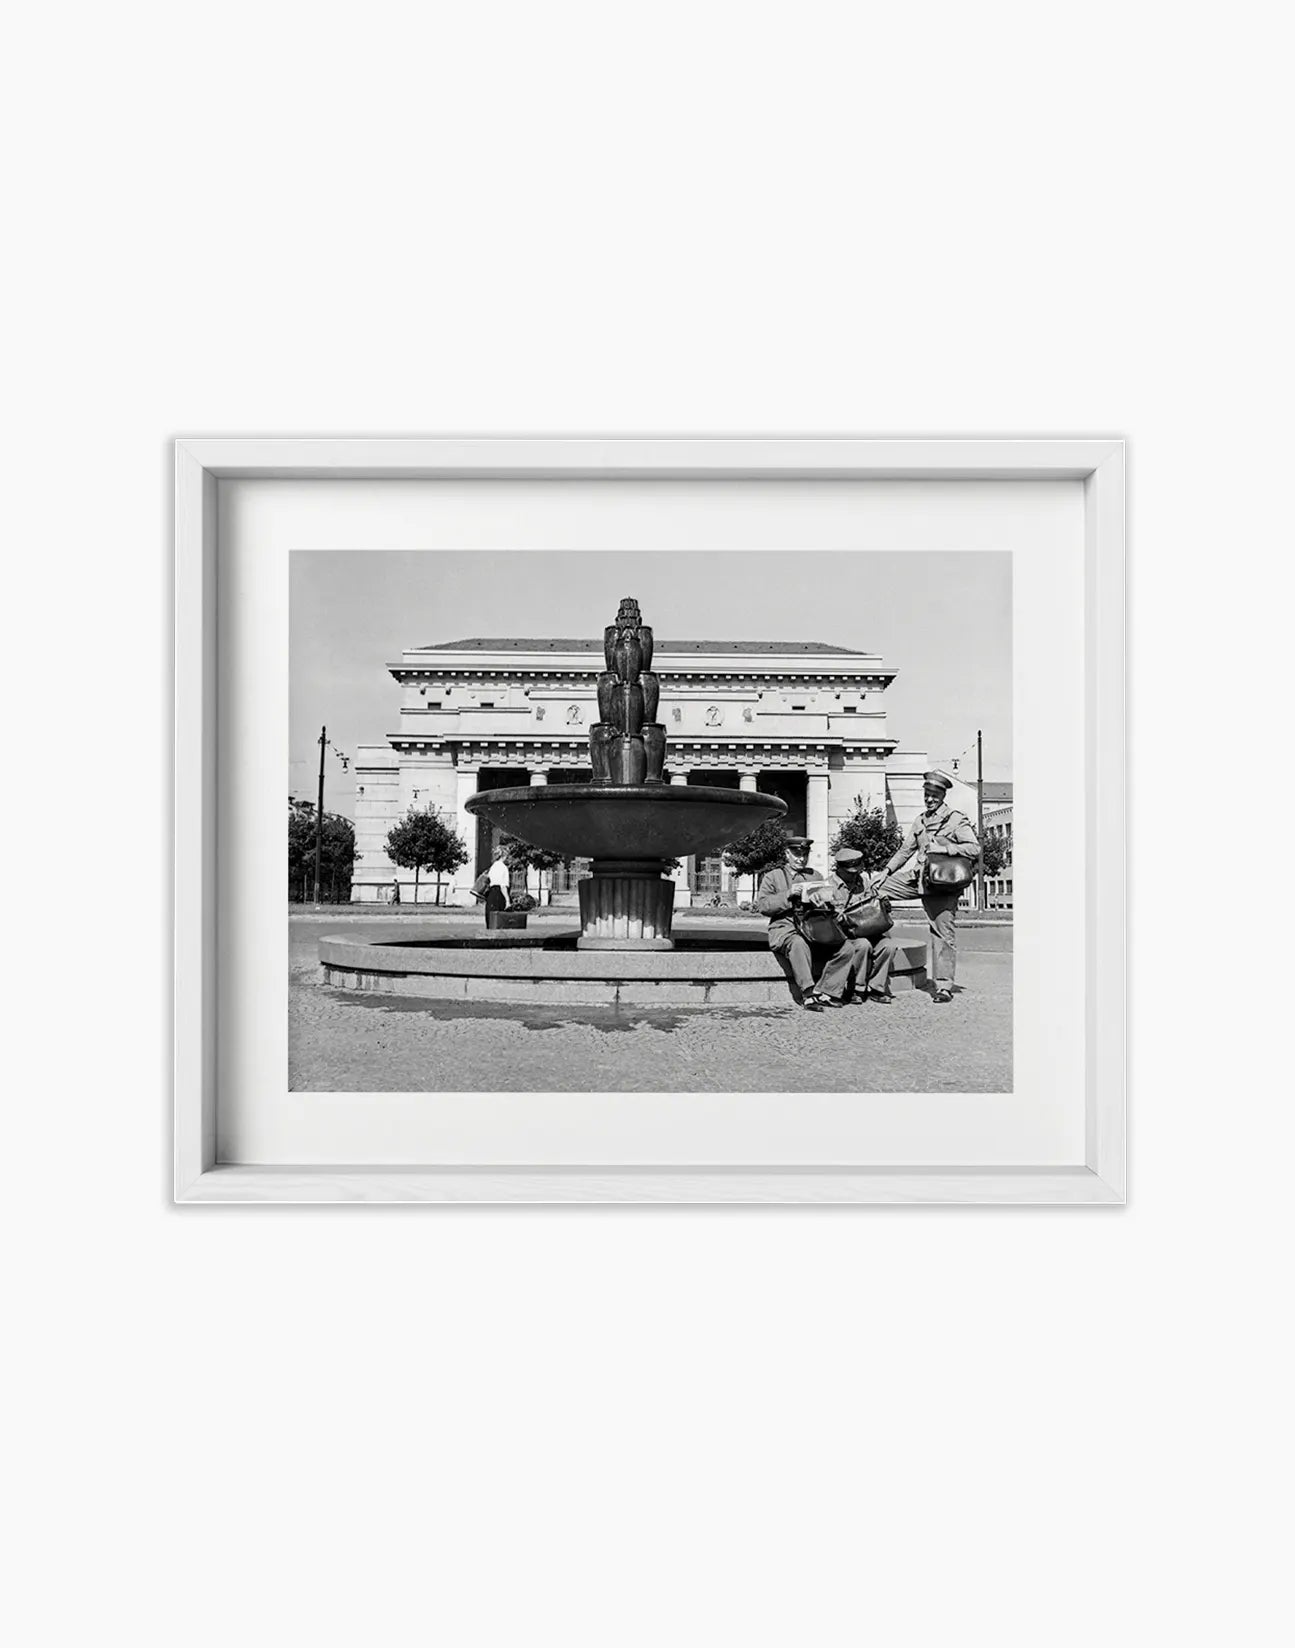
(870, 967)
(940, 910)
(799, 960)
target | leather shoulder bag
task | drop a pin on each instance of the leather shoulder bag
(948, 872)
(817, 923)
(872, 920)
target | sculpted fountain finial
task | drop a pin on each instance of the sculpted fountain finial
(627, 742)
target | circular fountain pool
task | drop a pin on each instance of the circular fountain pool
(727, 965)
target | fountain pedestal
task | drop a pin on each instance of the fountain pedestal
(626, 904)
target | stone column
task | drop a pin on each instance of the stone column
(816, 825)
(683, 884)
(465, 784)
(539, 882)
(746, 885)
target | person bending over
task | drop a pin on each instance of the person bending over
(860, 911)
(491, 886)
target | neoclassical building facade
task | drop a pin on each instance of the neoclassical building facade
(803, 720)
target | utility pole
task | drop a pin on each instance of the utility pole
(980, 818)
(319, 814)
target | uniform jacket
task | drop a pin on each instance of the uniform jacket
(771, 898)
(944, 831)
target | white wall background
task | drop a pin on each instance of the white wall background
(488, 1428)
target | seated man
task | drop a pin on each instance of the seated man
(857, 903)
(937, 829)
(779, 895)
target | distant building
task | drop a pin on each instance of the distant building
(998, 826)
(803, 720)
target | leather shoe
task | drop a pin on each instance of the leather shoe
(880, 998)
(811, 1004)
(944, 995)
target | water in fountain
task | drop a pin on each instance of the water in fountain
(630, 820)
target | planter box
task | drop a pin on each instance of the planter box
(506, 918)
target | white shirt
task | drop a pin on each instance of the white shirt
(498, 875)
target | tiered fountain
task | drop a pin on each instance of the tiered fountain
(629, 820)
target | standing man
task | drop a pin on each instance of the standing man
(937, 829)
(779, 896)
(858, 905)
(395, 890)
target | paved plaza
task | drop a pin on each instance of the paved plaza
(342, 1041)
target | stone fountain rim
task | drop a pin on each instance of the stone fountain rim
(681, 795)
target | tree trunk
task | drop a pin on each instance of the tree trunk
(417, 868)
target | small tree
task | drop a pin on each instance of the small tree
(761, 850)
(993, 854)
(868, 832)
(422, 841)
(337, 851)
(521, 856)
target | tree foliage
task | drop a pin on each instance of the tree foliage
(761, 850)
(521, 855)
(993, 852)
(867, 830)
(424, 841)
(337, 857)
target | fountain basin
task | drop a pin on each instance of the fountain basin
(727, 965)
(621, 821)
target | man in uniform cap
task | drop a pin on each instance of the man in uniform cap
(937, 829)
(854, 893)
(778, 896)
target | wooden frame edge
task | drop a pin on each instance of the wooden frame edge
(695, 1187)
(1106, 692)
(194, 1061)
(199, 465)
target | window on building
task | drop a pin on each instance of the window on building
(433, 703)
(487, 703)
(850, 709)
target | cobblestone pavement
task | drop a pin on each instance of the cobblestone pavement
(356, 1042)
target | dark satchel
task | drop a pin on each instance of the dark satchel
(948, 873)
(818, 925)
(871, 921)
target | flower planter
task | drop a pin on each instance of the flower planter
(506, 918)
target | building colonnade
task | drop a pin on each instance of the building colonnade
(818, 799)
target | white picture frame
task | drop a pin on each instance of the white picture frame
(202, 464)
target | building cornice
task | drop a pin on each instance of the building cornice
(770, 667)
(524, 750)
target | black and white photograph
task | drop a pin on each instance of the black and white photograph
(628, 821)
